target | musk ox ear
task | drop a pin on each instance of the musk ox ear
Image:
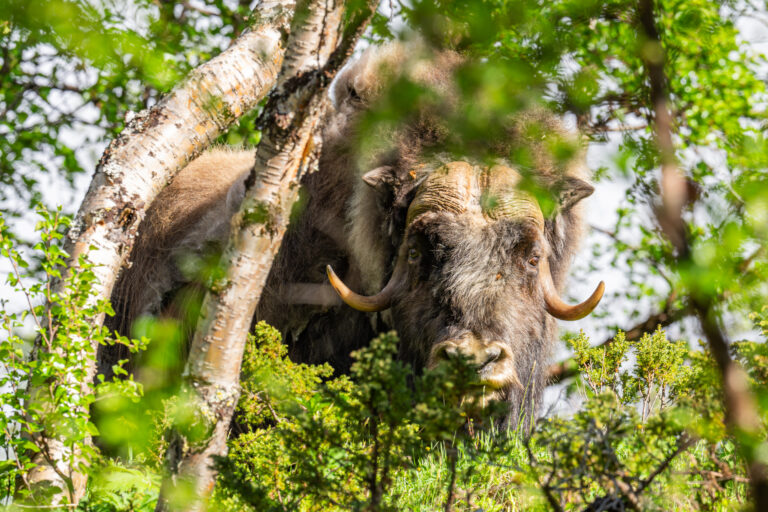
(571, 191)
(380, 177)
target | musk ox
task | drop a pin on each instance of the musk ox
(451, 253)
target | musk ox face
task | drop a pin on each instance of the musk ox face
(471, 276)
(472, 289)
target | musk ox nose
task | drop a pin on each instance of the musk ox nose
(495, 362)
(481, 356)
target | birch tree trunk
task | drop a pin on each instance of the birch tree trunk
(136, 165)
(289, 147)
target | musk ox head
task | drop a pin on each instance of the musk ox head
(472, 276)
(456, 255)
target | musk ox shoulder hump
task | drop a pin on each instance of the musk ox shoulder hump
(201, 198)
(192, 211)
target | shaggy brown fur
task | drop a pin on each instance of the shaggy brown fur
(469, 280)
(188, 214)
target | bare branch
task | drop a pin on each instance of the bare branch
(545, 487)
(155, 145)
(289, 147)
(451, 497)
(201, 10)
(683, 443)
(599, 128)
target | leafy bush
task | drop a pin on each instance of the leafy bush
(633, 443)
(65, 328)
(310, 443)
(648, 434)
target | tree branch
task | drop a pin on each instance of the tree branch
(155, 145)
(289, 147)
(740, 408)
(683, 443)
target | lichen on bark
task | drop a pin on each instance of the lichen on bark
(289, 147)
(143, 159)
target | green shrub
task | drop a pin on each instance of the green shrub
(648, 433)
(53, 392)
(312, 442)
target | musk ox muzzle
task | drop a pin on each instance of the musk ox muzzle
(494, 360)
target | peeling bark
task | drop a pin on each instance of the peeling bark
(136, 165)
(289, 148)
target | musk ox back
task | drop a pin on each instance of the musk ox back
(453, 253)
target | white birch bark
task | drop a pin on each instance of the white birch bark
(288, 148)
(156, 144)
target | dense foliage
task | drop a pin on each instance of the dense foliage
(646, 426)
(73, 70)
(53, 376)
(648, 432)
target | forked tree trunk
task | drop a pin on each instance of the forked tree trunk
(289, 147)
(155, 145)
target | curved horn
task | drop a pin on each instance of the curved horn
(378, 302)
(559, 309)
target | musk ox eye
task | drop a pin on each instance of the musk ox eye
(413, 254)
(533, 261)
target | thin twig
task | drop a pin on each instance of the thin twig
(450, 498)
(683, 443)
(201, 10)
(546, 486)
(37, 507)
(24, 290)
